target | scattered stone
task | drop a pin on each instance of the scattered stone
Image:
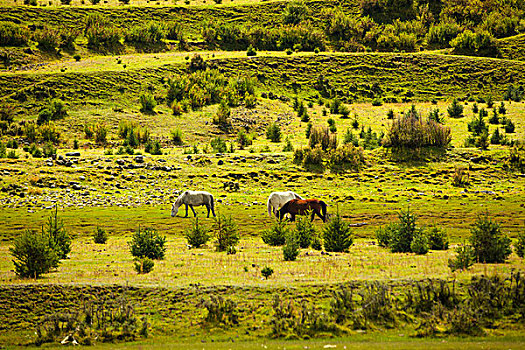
(73, 154)
(220, 162)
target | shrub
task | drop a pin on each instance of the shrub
(56, 109)
(304, 231)
(243, 139)
(148, 243)
(197, 63)
(251, 51)
(455, 110)
(218, 145)
(273, 132)
(481, 43)
(221, 311)
(461, 176)
(519, 247)
(294, 12)
(150, 33)
(488, 242)
(346, 157)
(144, 265)
(196, 235)
(464, 259)
(153, 147)
(377, 102)
(226, 233)
(419, 243)
(267, 272)
(147, 103)
(502, 109)
(321, 136)
(310, 157)
(401, 239)
(442, 33)
(101, 132)
(222, 117)
(276, 234)
(513, 94)
(77, 57)
(496, 137)
(477, 125)
(291, 247)
(59, 239)
(100, 236)
(437, 239)
(509, 127)
(384, 235)
(33, 254)
(337, 235)
(176, 137)
(101, 34)
(48, 39)
(12, 34)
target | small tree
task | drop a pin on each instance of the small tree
(305, 231)
(148, 243)
(273, 133)
(267, 272)
(419, 243)
(197, 235)
(464, 258)
(100, 236)
(33, 254)
(337, 235)
(144, 265)
(437, 239)
(291, 247)
(488, 242)
(402, 237)
(226, 233)
(455, 110)
(520, 244)
(176, 137)
(59, 239)
(276, 235)
(147, 103)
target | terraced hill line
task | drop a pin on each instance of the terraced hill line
(513, 47)
(264, 14)
(351, 76)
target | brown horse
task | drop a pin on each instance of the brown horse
(303, 207)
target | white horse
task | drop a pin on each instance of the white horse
(191, 198)
(277, 199)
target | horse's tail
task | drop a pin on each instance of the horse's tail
(269, 205)
(323, 208)
(212, 204)
(297, 196)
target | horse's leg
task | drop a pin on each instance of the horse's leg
(186, 210)
(323, 217)
(293, 217)
(193, 210)
(208, 208)
(312, 216)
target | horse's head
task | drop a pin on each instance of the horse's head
(174, 209)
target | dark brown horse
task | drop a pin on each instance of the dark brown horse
(303, 207)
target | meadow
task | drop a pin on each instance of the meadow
(112, 138)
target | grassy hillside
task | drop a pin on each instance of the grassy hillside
(512, 48)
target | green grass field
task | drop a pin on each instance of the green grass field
(297, 306)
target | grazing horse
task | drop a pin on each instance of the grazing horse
(303, 207)
(277, 199)
(193, 198)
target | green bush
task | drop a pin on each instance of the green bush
(101, 34)
(321, 136)
(291, 246)
(59, 239)
(273, 133)
(48, 39)
(267, 272)
(402, 237)
(442, 33)
(33, 255)
(305, 230)
(464, 259)
(12, 34)
(101, 132)
(346, 157)
(147, 103)
(226, 233)
(56, 109)
(218, 145)
(419, 243)
(144, 265)
(150, 33)
(276, 234)
(377, 102)
(384, 235)
(481, 43)
(222, 117)
(251, 51)
(455, 110)
(100, 236)
(488, 242)
(176, 137)
(153, 147)
(148, 243)
(437, 239)
(197, 235)
(337, 235)
(519, 247)
(294, 12)
(509, 126)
